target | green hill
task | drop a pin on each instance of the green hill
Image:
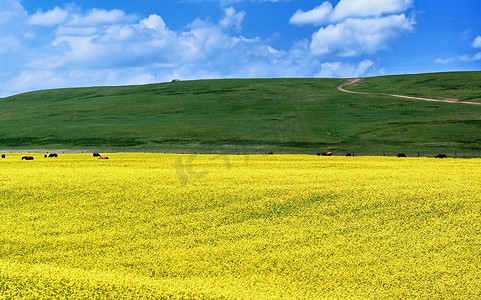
(464, 86)
(251, 116)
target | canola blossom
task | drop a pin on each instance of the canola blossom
(153, 226)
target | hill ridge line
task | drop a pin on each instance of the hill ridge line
(356, 80)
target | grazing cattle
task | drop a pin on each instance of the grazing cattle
(323, 153)
(329, 153)
(27, 157)
(270, 152)
(96, 155)
(318, 154)
(441, 156)
(103, 157)
(3, 155)
(53, 155)
(401, 155)
(348, 154)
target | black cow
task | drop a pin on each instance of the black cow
(27, 157)
(96, 155)
(401, 155)
(348, 154)
(3, 155)
(53, 155)
(441, 156)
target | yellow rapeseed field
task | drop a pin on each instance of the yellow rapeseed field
(156, 226)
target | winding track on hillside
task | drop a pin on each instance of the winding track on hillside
(356, 80)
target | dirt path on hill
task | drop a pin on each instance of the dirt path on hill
(445, 100)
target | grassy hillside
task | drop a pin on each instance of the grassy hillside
(250, 116)
(464, 86)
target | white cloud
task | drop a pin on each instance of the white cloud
(345, 9)
(356, 27)
(356, 37)
(368, 8)
(444, 61)
(51, 17)
(316, 16)
(272, 50)
(117, 33)
(477, 42)
(344, 70)
(232, 19)
(154, 22)
(100, 16)
(112, 44)
(470, 58)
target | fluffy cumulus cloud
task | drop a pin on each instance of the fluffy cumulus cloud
(154, 22)
(51, 17)
(356, 37)
(366, 8)
(232, 19)
(356, 27)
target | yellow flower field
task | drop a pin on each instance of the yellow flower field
(159, 226)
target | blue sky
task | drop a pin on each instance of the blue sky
(54, 44)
